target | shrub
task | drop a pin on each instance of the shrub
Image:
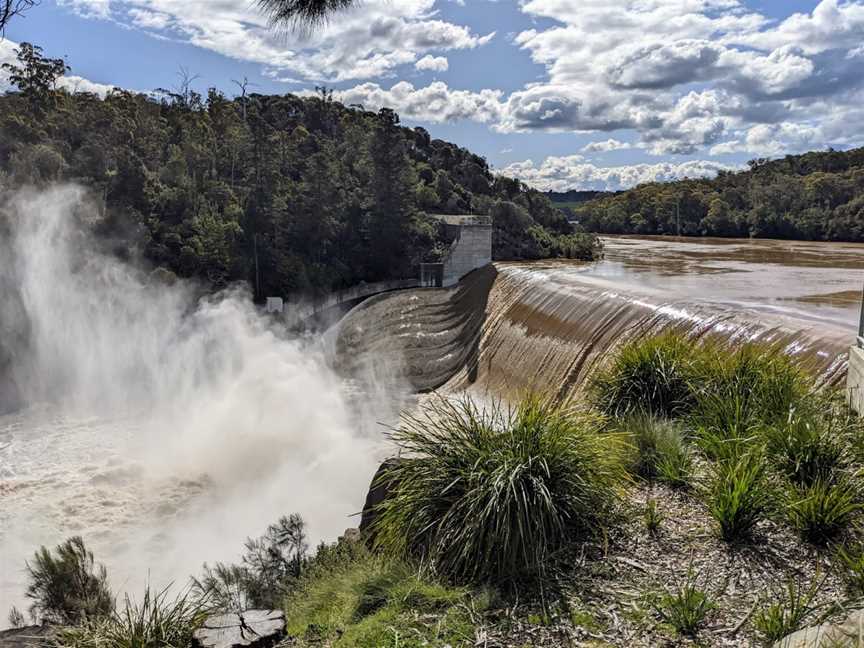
(821, 511)
(685, 608)
(784, 611)
(662, 453)
(651, 375)
(808, 448)
(69, 587)
(739, 495)
(487, 494)
(269, 564)
(157, 622)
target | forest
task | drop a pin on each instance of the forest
(817, 196)
(289, 193)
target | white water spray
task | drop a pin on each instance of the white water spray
(161, 428)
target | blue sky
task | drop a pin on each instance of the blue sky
(587, 94)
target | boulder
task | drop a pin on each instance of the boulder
(849, 632)
(253, 628)
(378, 491)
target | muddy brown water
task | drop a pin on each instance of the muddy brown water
(546, 325)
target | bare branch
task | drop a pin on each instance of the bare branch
(11, 8)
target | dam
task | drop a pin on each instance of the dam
(210, 423)
(545, 325)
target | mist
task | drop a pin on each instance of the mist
(162, 426)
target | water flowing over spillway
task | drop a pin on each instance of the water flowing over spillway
(544, 326)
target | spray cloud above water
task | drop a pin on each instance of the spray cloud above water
(162, 427)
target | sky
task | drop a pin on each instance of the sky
(563, 94)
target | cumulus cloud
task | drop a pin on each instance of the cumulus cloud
(433, 103)
(369, 41)
(610, 144)
(433, 63)
(572, 172)
(687, 75)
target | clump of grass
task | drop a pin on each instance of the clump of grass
(662, 452)
(762, 383)
(652, 375)
(156, 622)
(686, 607)
(488, 494)
(739, 495)
(785, 611)
(652, 516)
(808, 447)
(822, 510)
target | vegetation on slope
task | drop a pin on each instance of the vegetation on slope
(289, 193)
(817, 196)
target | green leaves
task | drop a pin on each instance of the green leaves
(739, 495)
(488, 494)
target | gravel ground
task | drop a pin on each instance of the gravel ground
(612, 590)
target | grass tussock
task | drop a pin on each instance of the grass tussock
(786, 610)
(653, 375)
(809, 447)
(824, 509)
(739, 495)
(662, 453)
(488, 494)
(156, 622)
(686, 607)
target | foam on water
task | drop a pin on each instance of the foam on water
(163, 428)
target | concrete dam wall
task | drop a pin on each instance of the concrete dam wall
(513, 327)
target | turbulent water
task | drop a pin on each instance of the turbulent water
(163, 428)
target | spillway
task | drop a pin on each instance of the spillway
(545, 326)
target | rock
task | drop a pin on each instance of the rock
(29, 637)
(255, 628)
(378, 491)
(848, 633)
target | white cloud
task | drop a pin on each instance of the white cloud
(433, 103)
(572, 172)
(370, 41)
(686, 75)
(433, 63)
(610, 144)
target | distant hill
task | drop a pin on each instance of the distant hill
(815, 196)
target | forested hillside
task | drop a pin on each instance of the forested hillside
(319, 194)
(815, 196)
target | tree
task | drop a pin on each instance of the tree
(305, 14)
(69, 587)
(393, 190)
(11, 8)
(35, 76)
